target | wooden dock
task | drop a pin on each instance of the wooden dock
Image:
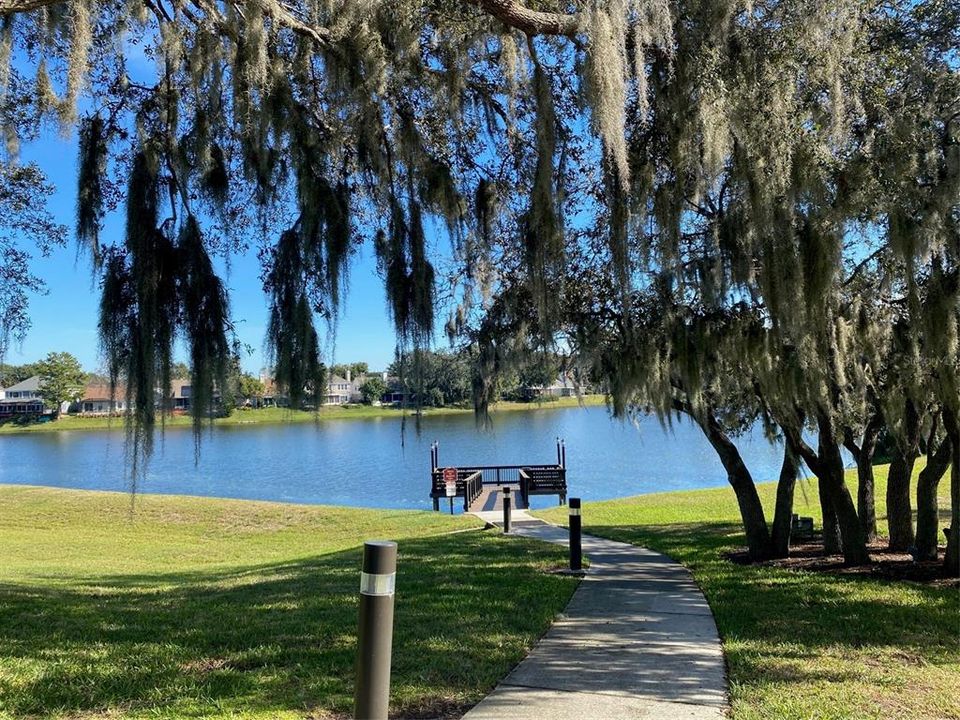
(480, 487)
(492, 498)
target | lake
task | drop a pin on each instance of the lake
(364, 463)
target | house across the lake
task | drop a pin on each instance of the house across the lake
(344, 390)
(96, 400)
(272, 397)
(181, 393)
(563, 386)
(339, 390)
(22, 399)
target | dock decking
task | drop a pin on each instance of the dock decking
(491, 499)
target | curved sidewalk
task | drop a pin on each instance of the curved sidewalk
(637, 640)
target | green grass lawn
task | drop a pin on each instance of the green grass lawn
(801, 644)
(270, 416)
(193, 607)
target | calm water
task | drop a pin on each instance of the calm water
(362, 462)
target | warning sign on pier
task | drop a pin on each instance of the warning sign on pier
(450, 480)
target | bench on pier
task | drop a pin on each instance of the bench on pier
(469, 486)
(543, 481)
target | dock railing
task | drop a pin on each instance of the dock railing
(469, 485)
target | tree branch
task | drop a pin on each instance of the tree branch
(281, 13)
(509, 12)
(8, 7)
(531, 22)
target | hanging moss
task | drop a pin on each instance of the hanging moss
(542, 228)
(152, 276)
(292, 339)
(81, 40)
(117, 315)
(725, 155)
(485, 208)
(325, 228)
(92, 166)
(206, 316)
(47, 100)
(420, 282)
(215, 181)
(606, 76)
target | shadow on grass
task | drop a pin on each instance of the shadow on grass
(271, 638)
(767, 614)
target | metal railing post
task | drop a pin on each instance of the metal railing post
(506, 508)
(576, 535)
(375, 631)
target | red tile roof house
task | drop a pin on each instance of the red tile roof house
(96, 401)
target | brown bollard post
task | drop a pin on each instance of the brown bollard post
(506, 508)
(576, 536)
(375, 633)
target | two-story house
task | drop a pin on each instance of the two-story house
(339, 390)
(22, 398)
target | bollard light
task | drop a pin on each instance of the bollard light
(506, 508)
(375, 632)
(576, 535)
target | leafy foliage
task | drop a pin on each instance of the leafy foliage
(23, 224)
(373, 389)
(61, 380)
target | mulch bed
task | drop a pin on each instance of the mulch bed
(885, 565)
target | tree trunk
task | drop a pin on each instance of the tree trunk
(852, 538)
(751, 509)
(864, 454)
(899, 512)
(928, 515)
(951, 562)
(831, 529)
(783, 513)
(839, 513)
(866, 498)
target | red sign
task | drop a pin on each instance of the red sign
(450, 479)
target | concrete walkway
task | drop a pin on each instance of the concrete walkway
(636, 641)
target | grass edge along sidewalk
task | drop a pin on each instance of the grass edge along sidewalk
(227, 608)
(801, 644)
(280, 416)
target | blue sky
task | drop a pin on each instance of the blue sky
(66, 318)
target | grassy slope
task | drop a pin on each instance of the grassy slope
(802, 645)
(195, 607)
(267, 416)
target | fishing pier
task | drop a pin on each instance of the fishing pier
(481, 487)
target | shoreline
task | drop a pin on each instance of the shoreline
(769, 485)
(281, 416)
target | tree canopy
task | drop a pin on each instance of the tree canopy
(61, 380)
(738, 210)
